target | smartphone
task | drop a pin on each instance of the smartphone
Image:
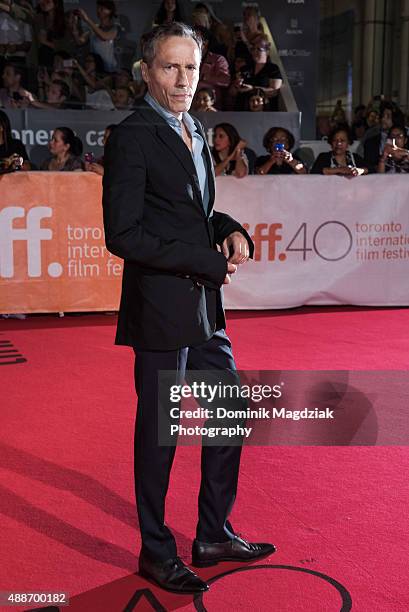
(68, 63)
(279, 146)
(16, 96)
(89, 157)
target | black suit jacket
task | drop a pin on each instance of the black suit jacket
(154, 219)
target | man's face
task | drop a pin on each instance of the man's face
(174, 73)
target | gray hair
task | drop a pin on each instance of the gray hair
(150, 40)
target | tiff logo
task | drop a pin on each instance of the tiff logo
(268, 234)
(33, 234)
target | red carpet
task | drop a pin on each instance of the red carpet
(337, 515)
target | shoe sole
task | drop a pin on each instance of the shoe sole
(149, 578)
(221, 559)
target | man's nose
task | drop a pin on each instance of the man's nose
(182, 78)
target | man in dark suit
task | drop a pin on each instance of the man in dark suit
(158, 200)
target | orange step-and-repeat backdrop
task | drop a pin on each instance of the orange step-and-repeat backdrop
(52, 248)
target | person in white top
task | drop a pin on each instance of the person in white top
(15, 34)
(101, 36)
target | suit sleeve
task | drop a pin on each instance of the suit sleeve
(123, 203)
(224, 225)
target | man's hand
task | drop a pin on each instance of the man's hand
(235, 248)
(231, 269)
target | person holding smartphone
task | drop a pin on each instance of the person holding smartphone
(97, 165)
(279, 142)
(13, 154)
(395, 156)
(101, 36)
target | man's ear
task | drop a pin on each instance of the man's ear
(144, 71)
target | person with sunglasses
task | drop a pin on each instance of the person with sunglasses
(261, 73)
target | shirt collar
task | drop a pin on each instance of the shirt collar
(169, 117)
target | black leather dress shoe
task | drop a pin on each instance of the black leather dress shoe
(205, 554)
(172, 575)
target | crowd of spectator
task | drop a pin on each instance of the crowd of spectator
(57, 58)
(76, 63)
(230, 152)
(380, 133)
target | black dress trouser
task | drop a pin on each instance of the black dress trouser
(153, 463)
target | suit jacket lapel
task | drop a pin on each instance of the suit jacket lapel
(168, 136)
(210, 176)
(209, 166)
(176, 146)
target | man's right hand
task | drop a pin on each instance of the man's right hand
(231, 269)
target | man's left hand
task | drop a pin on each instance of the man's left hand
(235, 248)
